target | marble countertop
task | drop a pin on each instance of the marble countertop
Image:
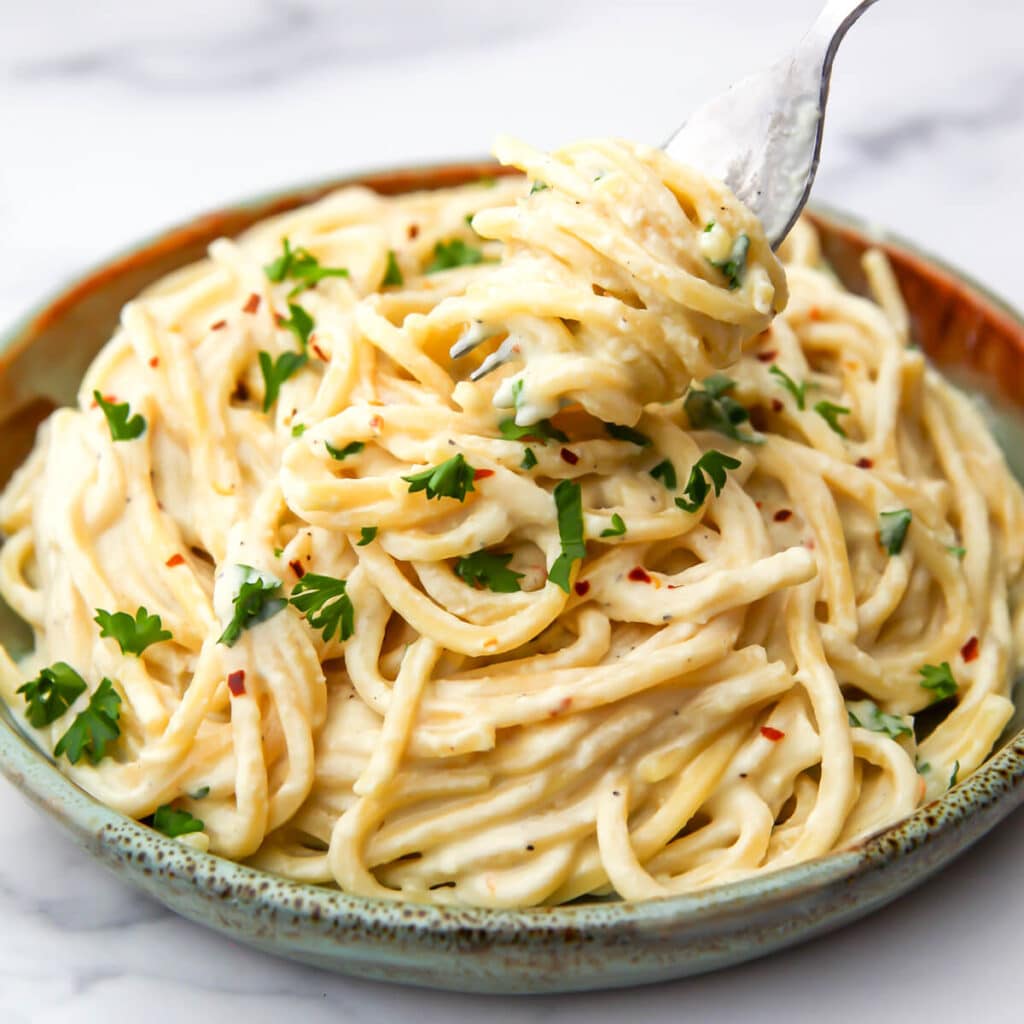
(119, 117)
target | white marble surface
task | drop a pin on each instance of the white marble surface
(119, 117)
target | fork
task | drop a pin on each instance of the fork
(761, 137)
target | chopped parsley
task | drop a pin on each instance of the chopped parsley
(868, 715)
(893, 529)
(539, 186)
(955, 774)
(277, 371)
(298, 429)
(798, 391)
(490, 570)
(735, 263)
(617, 529)
(453, 478)
(569, 503)
(529, 459)
(200, 794)
(133, 635)
(123, 426)
(338, 454)
(51, 694)
(540, 431)
(367, 534)
(322, 599)
(830, 413)
(939, 679)
(714, 409)
(454, 253)
(621, 433)
(93, 728)
(666, 473)
(300, 323)
(957, 550)
(258, 599)
(711, 465)
(393, 274)
(299, 265)
(173, 822)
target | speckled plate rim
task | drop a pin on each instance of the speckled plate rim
(949, 825)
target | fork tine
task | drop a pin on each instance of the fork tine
(475, 334)
(501, 355)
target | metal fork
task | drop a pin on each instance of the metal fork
(762, 137)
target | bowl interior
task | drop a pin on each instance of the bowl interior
(970, 335)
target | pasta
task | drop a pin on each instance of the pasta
(711, 575)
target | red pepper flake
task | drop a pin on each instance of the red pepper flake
(236, 683)
(251, 304)
(582, 587)
(758, 504)
(319, 352)
(815, 313)
(154, 362)
(219, 325)
(767, 357)
(563, 705)
(969, 651)
(413, 230)
(375, 422)
(279, 319)
(639, 575)
(174, 560)
(864, 463)
(483, 474)
(782, 515)
(772, 734)
(297, 567)
(777, 404)
(569, 456)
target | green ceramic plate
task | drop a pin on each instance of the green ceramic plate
(583, 946)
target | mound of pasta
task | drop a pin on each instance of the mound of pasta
(503, 545)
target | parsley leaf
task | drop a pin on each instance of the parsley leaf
(352, 448)
(939, 679)
(123, 427)
(569, 503)
(299, 265)
(540, 431)
(393, 274)
(451, 479)
(714, 464)
(621, 433)
(52, 693)
(617, 529)
(529, 459)
(300, 323)
(453, 253)
(322, 599)
(133, 636)
(714, 409)
(94, 727)
(367, 534)
(798, 391)
(666, 473)
(258, 599)
(173, 822)
(830, 412)
(735, 263)
(893, 529)
(276, 372)
(484, 568)
(868, 715)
